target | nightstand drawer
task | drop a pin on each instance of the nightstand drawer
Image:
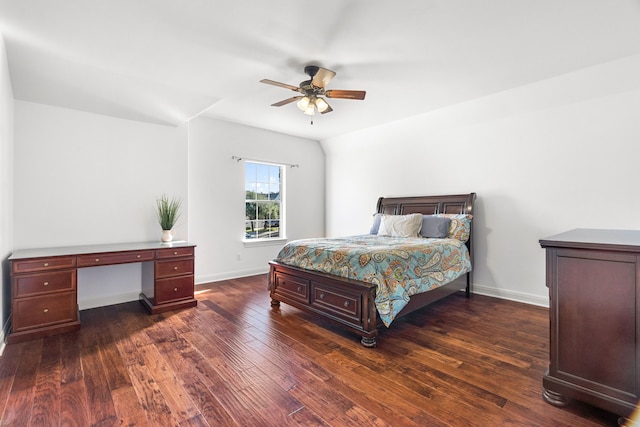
(173, 268)
(41, 283)
(43, 264)
(114, 258)
(174, 289)
(44, 310)
(174, 252)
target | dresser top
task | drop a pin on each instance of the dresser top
(590, 238)
(95, 249)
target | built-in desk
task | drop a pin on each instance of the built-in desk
(44, 298)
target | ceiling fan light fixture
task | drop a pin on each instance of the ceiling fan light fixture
(309, 100)
(321, 105)
(303, 104)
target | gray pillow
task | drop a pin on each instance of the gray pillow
(435, 226)
(377, 218)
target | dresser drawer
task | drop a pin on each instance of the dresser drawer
(174, 289)
(45, 310)
(174, 252)
(41, 283)
(337, 302)
(43, 264)
(114, 258)
(292, 287)
(173, 268)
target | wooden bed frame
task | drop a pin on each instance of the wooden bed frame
(351, 303)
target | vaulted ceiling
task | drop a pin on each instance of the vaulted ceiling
(167, 61)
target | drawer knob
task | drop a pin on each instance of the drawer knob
(46, 264)
(299, 288)
(175, 268)
(46, 310)
(46, 283)
(175, 289)
(137, 256)
(175, 253)
(322, 295)
(346, 303)
(97, 259)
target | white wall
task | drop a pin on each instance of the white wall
(216, 194)
(83, 178)
(544, 158)
(6, 186)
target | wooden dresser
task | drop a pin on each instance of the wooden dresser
(44, 284)
(594, 295)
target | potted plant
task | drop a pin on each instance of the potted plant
(168, 212)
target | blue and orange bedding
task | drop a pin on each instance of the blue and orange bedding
(399, 266)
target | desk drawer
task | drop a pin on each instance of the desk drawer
(43, 264)
(174, 289)
(44, 310)
(40, 283)
(174, 252)
(173, 268)
(114, 258)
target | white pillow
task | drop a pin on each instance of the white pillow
(400, 225)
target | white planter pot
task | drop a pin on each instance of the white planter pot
(167, 235)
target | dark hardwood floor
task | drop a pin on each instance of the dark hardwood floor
(235, 361)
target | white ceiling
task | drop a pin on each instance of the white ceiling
(167, 61)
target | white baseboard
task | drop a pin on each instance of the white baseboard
(108, 300)
(135, 295)
(230, 275)
(510, 295)
(489, 291)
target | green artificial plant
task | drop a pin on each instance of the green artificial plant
(168, 211)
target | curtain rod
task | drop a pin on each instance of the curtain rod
(238, 158)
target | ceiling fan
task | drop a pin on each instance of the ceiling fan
(313, 90)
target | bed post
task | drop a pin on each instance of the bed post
(469, 210)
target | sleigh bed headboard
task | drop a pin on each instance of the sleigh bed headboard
(427, 205)
(430, 205)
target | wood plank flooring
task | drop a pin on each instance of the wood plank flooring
(235, 361)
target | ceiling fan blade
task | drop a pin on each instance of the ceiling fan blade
(322, 77)
(286, 101)
(275, 83)
(345, 94)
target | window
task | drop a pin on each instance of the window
(263, 202)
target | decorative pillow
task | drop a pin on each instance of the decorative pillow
(460, 227)
(400, 225)
(376, 223)
(435, 226)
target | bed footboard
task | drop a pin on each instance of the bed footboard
(346, 302)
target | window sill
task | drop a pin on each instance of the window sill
(264, 242)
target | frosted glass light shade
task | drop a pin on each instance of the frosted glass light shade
(321, 105)
(303, 103)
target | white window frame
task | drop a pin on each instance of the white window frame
(266, 241)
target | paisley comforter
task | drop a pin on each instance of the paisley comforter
(399, 266)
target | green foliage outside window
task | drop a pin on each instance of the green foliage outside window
(262, 200)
